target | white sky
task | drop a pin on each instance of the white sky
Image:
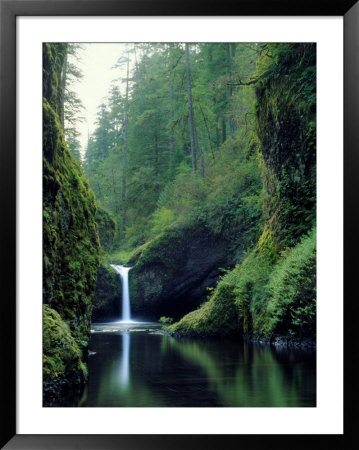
(96, 63)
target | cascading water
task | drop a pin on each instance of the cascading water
(126, 308)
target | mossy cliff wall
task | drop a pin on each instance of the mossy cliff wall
(271, 295)
(70, 239)
(286, 127)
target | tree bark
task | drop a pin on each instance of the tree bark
(190, 111)
(230, 89)
(172, 134)
(224, 134)
(202, 163)
(124, 157)
(63, 87)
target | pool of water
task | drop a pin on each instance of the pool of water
(134, 365)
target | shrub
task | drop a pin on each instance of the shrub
(292, 291)
(166, 320)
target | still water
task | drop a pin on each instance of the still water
(135, 365)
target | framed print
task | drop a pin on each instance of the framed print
(175, 184)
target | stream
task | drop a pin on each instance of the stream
(137, 365)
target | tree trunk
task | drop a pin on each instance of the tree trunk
(172, 132)
(124, 158)
(202, 163)
(190, 111)
(157, 171)
(230, 89)
(224, 134)
(63, 87)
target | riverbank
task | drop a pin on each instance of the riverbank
(285, 341)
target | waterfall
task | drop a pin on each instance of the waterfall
(126, 309)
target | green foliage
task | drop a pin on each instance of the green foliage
(162, 219)
(251, 277)
(120, 257)
(160, 190)
(291, 290)
(253, 196)
(72, 105)
(165, 320)
(106, 228)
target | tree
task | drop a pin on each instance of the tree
(72, 107)
(190, 110)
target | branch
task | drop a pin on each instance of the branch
(244, 83)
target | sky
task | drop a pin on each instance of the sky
(96, 62)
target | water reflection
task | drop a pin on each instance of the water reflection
(251, 375)
(136, 367)
(125, 360)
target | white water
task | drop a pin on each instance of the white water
(126, 308)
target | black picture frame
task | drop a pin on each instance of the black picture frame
(9, 10)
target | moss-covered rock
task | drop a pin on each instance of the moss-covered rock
(173, 271)
(70, 239)
(64, 371)
(286, 127)
(217, 316)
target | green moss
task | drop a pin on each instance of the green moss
(267, 247)
(70, 241)
(286, 126)
(63, 368)
(160, 248)
(53, 60)
(71, 245)
(218, 316)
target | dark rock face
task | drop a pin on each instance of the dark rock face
(173, 272)
(107, 296)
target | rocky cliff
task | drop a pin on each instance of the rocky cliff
(173, 271)
(70, 240)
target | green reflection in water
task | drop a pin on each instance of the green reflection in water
(251, 375)
(141, 369)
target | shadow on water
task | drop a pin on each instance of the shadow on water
(134, 365)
